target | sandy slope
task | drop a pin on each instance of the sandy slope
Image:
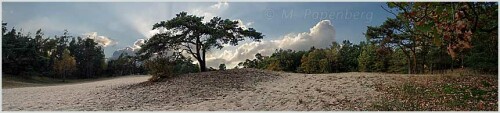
(243, 89)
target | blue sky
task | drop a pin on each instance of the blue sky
(120, 25)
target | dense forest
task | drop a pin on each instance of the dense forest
(421, 38)
(59, 57)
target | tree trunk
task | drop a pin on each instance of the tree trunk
(452, 63)
(462, 61)
(201, 62)
(203, 66)
(415, 64)
(64, 75)
(432, 71)
(409, 66)
(408, 59)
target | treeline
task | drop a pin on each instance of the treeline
(125, 64)
(365, 57)
(59, 57)
(422, 38)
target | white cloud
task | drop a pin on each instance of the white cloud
(220, 4)
(101, 40)
(127, 51)
(321, 36)
(138, 43)
(210, 12)
(243, 25)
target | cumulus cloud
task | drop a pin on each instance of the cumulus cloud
(320, 36)
(210, 12)
(101, 40)
(126, 51)
(131, 50)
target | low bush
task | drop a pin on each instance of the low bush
(160, 67)
(167, 67)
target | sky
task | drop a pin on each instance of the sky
(123, 27)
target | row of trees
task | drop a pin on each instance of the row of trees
(125, 64)
(363, 57)
(422, 38)
(58, 57)
(336, 58)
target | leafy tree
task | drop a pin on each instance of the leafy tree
(333, 56)
(14, 48)
(366, 59)
(23, 54)
(396, 33)
(274, 65)
(285, 60)
(484, 55)
(188, 33)
(453, 24)
(262, 61)
(65, 65)
(324, 66)
(310, 61)
(40, 55)
(348, 55)
(439, 59)
(89, 57)
(397, 63)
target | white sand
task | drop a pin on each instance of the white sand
(244, 89)
(62, 97)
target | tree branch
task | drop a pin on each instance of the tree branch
(389, 11)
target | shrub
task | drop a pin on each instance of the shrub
(170, 66)
(160, 67)
(222, 67)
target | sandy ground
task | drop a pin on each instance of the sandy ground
(243, 89)
(62, 97)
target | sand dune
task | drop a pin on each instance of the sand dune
(242, 89)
